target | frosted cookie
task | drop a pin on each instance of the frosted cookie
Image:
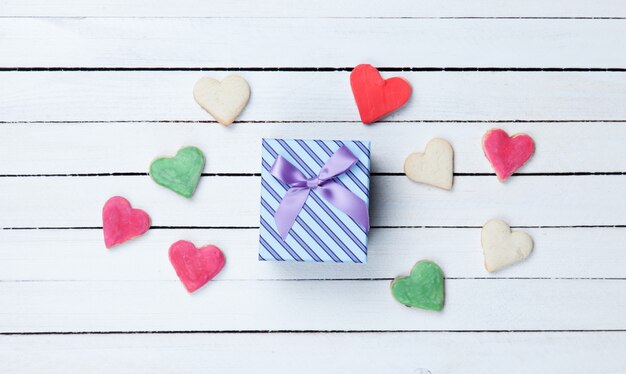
(423, 288)
(434, 167)
(223, 100)
(377, 97)
(195, 266)
(180, 173)
(503, 247)
(120, 222)
(507, 154)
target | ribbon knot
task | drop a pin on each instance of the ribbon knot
(300, 187)
(313, 182)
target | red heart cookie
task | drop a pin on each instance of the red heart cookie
(195, 266)
(376, 97)
(507, 154)
(120, 222)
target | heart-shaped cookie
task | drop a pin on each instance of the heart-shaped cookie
(377, 97)
(195, 266)
(180, 173)
(423, 288)
(503, 247)
(120, 222)
(434, 167)
(507, 154)
(223, 100)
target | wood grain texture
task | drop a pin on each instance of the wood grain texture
(150, 42)
(554, 70)
(234, 201)
(559, 253)
(319, 9)
(514, 304)
(311, 96)
(98, 148)
(415, 353)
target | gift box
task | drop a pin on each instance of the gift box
(314, 200)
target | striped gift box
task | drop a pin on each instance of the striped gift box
(321, 233)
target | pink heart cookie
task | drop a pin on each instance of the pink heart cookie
(507, 154)
(120, 222)
(195, 266)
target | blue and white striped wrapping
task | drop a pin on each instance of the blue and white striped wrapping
(321, 233)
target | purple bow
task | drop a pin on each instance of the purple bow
(342, 198)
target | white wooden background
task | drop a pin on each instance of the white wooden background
(92, 91)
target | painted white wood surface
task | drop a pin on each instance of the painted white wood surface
(312, 96)
(62, 148)
(395, 201)
(559, 253)
(328, 42)
(400, 353)
(92, 120)
(317, 9)
(471, 304)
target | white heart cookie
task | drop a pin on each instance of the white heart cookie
(223, 100)
(503, 247)
(434, 167)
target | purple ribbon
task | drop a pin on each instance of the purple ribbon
(300, 187)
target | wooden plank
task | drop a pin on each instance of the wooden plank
(234, 42)
(286, 305)
(234, 201)
(64, 280)
(322, 8)
(570, 253)
(311, 96)
(68, 148)
(417, 353)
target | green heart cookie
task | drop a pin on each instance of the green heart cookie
(423, 288)
(180, 173)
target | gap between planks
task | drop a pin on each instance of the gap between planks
(253, 332)
(297, 122)
(319, 279)
(307, 69)
(373, 227)
(327, 17)
(144, 174)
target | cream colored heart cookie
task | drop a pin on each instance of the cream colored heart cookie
(503, 247)
(434, 167)
(223, 100)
